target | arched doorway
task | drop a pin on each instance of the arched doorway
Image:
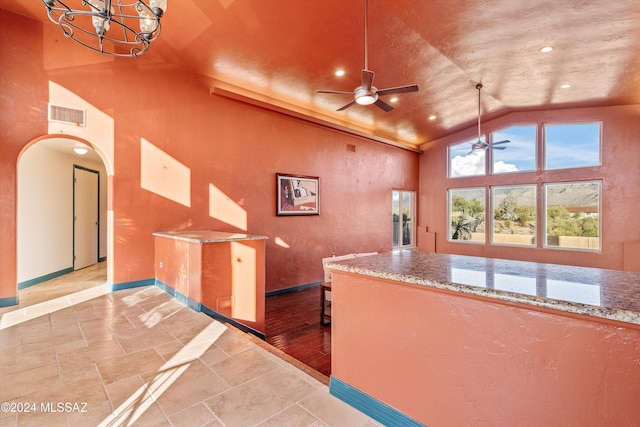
(60, 180)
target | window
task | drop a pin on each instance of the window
(403, 213)
(514, 215)
(466, 214)
(572, 145)
(568, 213)
(573, 215)
(464, 162)
(516, 155)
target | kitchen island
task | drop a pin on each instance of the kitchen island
(448, 340)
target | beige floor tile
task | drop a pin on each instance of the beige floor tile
(40, 418)
(143, 338)
(85, 357)
(332, 410)
(20, 362)
(256, 401)
(195, 384)
(293, 416)
(85, 373)
(55, 336)
(128, 365)
(233, 343)
(140, 357)
(19, 384)
(213, 356)
(196, 415)
(243, 367)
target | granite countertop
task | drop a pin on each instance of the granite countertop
(609, 294)
(207, 236)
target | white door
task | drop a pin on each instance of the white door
(86, 217)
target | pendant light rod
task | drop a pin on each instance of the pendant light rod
(479, 86)
(366, 34)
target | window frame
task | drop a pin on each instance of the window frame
(492, 200)
(544, 243)
(538, 178)
(449, 216)
(543, 165)
(536, 143)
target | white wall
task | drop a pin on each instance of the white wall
(45, 211)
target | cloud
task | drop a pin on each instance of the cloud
(472, 164)
(501, 167)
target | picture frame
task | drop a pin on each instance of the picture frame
(297, 195)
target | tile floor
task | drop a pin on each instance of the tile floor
(74, 354)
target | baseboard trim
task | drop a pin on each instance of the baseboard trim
(292, 289)
(37, 280)
(374, 408)
(197, 306)
(130, 285)
(8, 302)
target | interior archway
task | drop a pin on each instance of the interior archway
(46, 176)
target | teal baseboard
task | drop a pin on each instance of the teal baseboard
(27, 283)
(196, 306)
(374, 408)
(292, 289)
(8, 302)
(134, 284)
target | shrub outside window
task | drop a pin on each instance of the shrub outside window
(514, 215)
(467, 214)
(573, 215)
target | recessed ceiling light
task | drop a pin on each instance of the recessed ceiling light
(546, 49)
(565, 86)
(80, 150)
(433, 117)
(340, 73)
(394, 99)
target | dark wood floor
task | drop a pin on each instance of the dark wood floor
(292, 323)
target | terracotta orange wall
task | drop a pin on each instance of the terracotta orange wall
(451, 359)
(234, 146)
(620, 186)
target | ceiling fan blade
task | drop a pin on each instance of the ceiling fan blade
(334, 91)
(383, 105)
(498, 148)
(399, 89)
(367, 79)
(500, 142)
(347, 105)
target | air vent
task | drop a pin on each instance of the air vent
(67, 115)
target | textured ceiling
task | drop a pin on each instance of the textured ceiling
(283, 50)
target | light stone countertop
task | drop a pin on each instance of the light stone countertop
(207, 236)
(608, 294)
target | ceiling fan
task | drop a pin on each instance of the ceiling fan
(480, 146)
(367, 93)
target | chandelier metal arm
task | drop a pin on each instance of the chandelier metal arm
(90, 26)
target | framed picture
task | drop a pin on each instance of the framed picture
(297, 194)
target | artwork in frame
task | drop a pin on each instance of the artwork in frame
(297, 194)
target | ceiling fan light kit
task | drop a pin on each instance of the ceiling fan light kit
(367, 93)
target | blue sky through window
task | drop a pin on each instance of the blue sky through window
(572, 145)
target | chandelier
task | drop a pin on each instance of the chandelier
(112, 27)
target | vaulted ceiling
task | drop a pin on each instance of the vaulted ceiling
(282, 51)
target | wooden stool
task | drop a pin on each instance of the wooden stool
(325, 312)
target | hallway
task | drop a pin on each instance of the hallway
(139, 356)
